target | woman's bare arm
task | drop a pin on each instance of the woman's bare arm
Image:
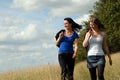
(86, 40)
(59, 38)
(107, 49)
(75, 48)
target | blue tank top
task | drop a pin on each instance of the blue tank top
(66, 43)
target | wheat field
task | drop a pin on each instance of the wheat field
(52, 72)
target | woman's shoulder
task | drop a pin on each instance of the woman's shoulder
(76, 34)
(103, 33)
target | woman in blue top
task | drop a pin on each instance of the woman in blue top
(96, 43)
(67, 52)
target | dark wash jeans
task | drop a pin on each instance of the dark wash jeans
(67, 65)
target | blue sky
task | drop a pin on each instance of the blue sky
(28, 27)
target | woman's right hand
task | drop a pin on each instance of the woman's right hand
(59, 38)
(88, 34)
(110, 62)
(61, 34)
(86, 40)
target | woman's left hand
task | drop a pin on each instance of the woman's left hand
(110, 62)
(74, 55)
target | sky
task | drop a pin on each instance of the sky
(28, 27)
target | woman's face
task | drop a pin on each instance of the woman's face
(92, 25)
(67, 24)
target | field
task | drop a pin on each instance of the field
(52, 72)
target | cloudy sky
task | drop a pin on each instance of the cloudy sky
(28, 27)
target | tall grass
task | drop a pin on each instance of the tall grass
(52, 72)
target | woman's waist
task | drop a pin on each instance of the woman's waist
(96, 53)
(95, 49)
(66, 45)
(66, 48)
(95, 46)
(66, 51)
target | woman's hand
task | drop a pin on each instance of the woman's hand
(107, 49)
(61, 34)
(86, 40)
(88, 34)
(74, 55)
(110, 62)
(59, 38)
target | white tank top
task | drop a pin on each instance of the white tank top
(95, 47)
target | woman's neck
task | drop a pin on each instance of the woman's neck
(95, 30)
(69, 30)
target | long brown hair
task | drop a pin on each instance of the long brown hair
(97, 22)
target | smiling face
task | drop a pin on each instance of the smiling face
(96, 24)
(92, 25)
(67, 24)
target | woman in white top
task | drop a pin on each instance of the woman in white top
(96, 43)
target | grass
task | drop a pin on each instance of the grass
(52, 72)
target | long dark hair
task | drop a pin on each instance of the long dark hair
(75, 26)
(97, 22)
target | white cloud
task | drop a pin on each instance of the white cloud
(77, 7)
(29, 33)
(17, 30)
(26, 4)
(80, 20)
(24, 48)
(26, 39)
(32, 5)
(48, 46)
(56, 7)
(11, 21)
